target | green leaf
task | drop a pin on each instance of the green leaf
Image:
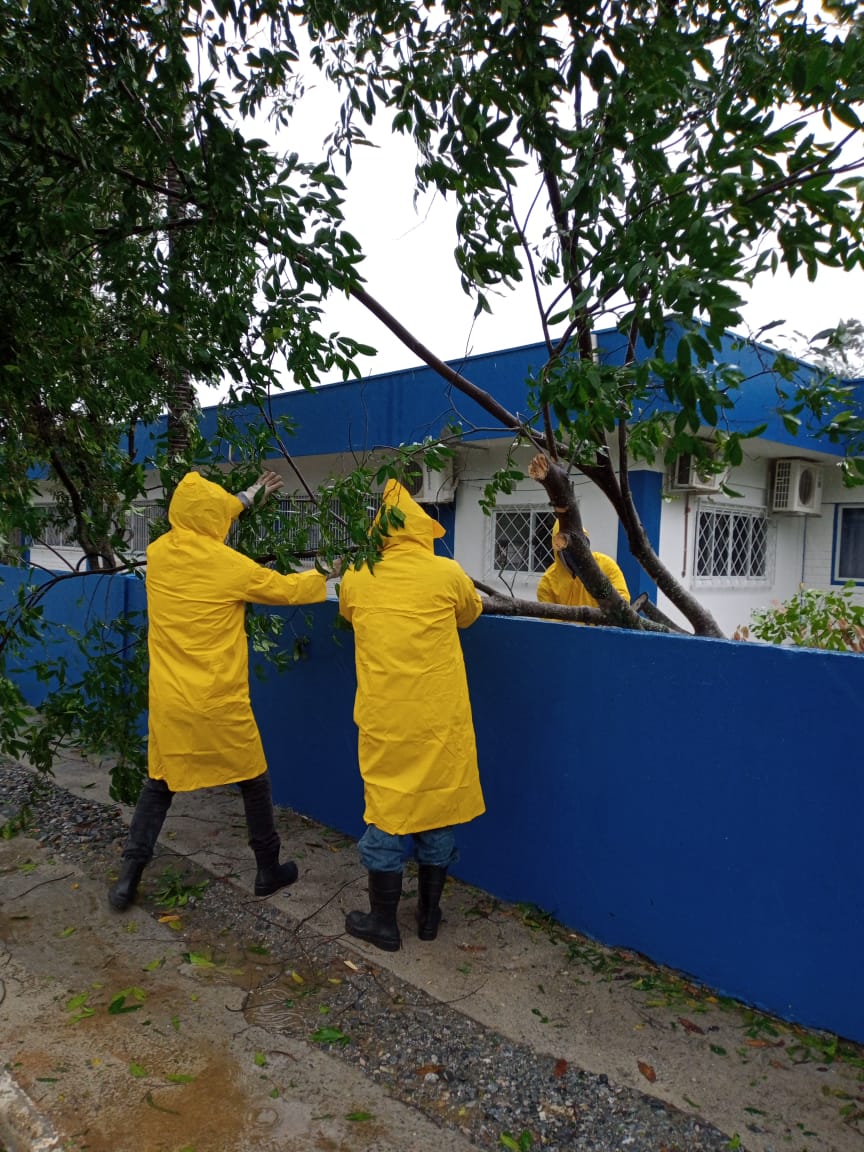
(330, 1036)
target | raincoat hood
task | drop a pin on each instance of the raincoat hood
(419, 526)
(199, 505)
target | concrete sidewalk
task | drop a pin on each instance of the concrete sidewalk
(203, 1020)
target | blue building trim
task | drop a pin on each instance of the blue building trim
(409, 405)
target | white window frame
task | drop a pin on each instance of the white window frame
(837, 577)
(715, 579)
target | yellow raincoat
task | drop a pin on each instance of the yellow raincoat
(201, 728)
(417, 752)
(557, 586)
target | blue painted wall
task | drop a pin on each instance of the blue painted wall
(716, 829)
(69, 608)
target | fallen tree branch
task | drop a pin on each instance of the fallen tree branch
(643, 605)
(568, 613)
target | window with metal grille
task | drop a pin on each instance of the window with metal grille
(850, 550)
(56, 536)
(139, 521)
(297, 524)
(522, 539)
(731, 545)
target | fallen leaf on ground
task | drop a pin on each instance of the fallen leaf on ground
(559, 1069)
(647, 1071)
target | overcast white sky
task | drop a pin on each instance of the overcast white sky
(409, 267)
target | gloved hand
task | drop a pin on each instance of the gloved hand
(270, 481)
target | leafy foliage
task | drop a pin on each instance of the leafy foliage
(813, 618)
(637, 161)
(645, 162)
(146, 243)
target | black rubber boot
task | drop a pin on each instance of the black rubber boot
(379, 926)
(147, 820)
(430, 885)
(271, 876)
(263, 837)
(121, 895)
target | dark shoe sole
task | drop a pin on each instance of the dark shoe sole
(123, 892)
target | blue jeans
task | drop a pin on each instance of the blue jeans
(384, 852)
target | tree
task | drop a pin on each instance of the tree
(671, 154)
(840, 351)
(678, 152)
(146, 245)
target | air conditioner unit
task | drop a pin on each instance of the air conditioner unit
(796, 487)
(432, 485)
(687, 476)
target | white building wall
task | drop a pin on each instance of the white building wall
(732, 602)
(800, 547)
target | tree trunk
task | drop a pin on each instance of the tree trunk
(602, 474)
(572, 547)
(182, 398)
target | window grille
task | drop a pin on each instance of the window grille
(522, 539)
(139, 521)
(56, 536)
(732, 545)
(296, 523)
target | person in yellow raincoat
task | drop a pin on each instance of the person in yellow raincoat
(558, 586)
(416, 746)
(202, 732)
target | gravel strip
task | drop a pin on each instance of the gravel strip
(424, 1053)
